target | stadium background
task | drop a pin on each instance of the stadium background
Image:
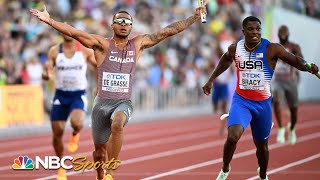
(169, 76)
(167, 73)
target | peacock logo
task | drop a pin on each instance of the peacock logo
(23, 163)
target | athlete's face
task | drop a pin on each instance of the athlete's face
(252, 32)
(283, 34)
(122, 25)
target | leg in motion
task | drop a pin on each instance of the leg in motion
(100, 155)
(77, 117)
(277, 113)
(115, 141)
(234, 134)
(262, 154)
(57, 130)
(238, 119)
(261, 126)
(292, 100)
(292, 137)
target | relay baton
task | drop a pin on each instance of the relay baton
(309, 68)
(203, 15)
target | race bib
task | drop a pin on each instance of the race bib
(115, 82)
(252, 81)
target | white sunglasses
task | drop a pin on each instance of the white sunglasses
(121, 20)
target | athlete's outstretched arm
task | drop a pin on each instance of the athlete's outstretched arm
(88, 40)
(224, 63)
(149, 40)
(279, 52)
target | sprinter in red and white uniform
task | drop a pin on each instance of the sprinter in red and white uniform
(116, 60)
(255, 60)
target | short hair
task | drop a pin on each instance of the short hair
(284, 27)
(126, 12)
(248, 19)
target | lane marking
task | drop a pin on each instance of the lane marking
(235, 156)
(145, 144)
(90, 142)
(165, 154)
(287, 166)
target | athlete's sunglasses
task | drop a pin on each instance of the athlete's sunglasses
(122, 20)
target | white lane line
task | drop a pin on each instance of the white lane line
(90, 142)
(195, 148)
(145, 144)
(130, 135)
(235, 156)
(287, 166)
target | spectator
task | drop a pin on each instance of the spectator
(175, 62)
(34, 71)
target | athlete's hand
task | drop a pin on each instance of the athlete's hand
(201, 9)
(207, 88)
(314, 69)
(47, 74)
(43, 16)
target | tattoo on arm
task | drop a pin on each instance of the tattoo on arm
(179, 26)
(168, 31)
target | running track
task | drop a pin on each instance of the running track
(181, 149)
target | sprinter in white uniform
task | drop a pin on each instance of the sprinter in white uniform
(69, 61)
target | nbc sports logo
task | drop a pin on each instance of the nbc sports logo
(23, 163)
(54, 162)
(48, 162)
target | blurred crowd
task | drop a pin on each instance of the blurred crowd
(309, 8)
(182, 60)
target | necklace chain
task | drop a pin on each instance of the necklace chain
(250, 49)
(119, 43)
(122, 43)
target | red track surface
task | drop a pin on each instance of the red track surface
(186, 149)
